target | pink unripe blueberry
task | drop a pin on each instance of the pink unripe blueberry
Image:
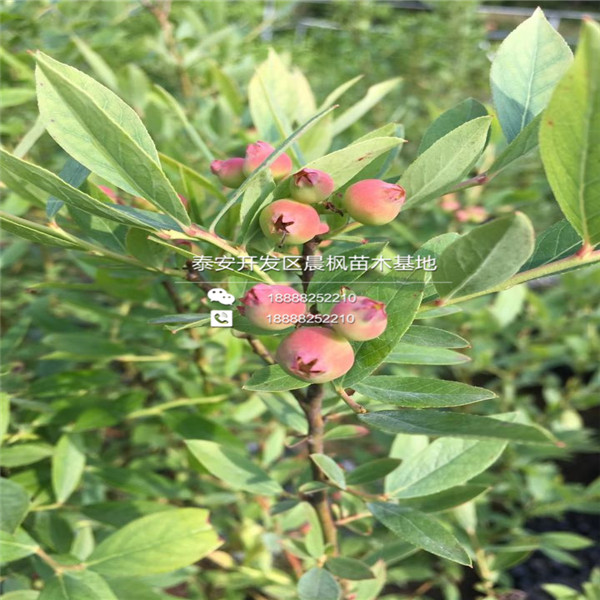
(257, 153)
(230, 172)
(362, 320)
(261, 302)
(311, 186)
(289, 222)
(373, 201)
(315, 354)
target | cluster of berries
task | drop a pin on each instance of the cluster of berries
(314, 354)
(296, 220)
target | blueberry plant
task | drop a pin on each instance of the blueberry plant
(329, 339)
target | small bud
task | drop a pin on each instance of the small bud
(230, 172)
(289, 222)
(315, 354)
(374, 201)
(258, 152)
(359, 321)
(311, 186)
(260, 305)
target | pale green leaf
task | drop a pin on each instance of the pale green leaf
(157, 543)
(77, 585)
(14, 501)
(68, 462)
(16, 546)
(446, 162)
(101, 132)
(318, 584)
(36, 233)
(373, 96)
(484, 257)
(557, 242)
(529, 63)
(233, 468)
(330, 468)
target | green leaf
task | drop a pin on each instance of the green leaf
(157, 543)
(373, 96)
(524, 143)
(77, 585)
(569, 136)
(565, 540)
(409, 354)
(233, 468)
(16, 546)
(462, 113)
(558, 241)
(402, 293)
(433, 337)
(529, 63)
(372, 471)
(23, 172)
(318, 584)
(484, 257)
(453, 424)
(102, 133)
(446, 162)
(420, 392)
(68, 462)
(145, 250)
(344, 432)
(36, 233)
(445, 500)
(342, 165)
(420, 529)
(331, 469)
(20, 455)
(14, 501)
(74, 174)
(349, 568)
(273, 379)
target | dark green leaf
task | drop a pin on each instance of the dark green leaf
(420, 529)
(444, 500)
(557, 242)
(409, 354)
(372, 471)
(273, 379)
(420, 335)
(74, 174)
(569, 136)
(524, 143)
(453, 424)
(464, 112)
(349, 568)
(420, 392)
